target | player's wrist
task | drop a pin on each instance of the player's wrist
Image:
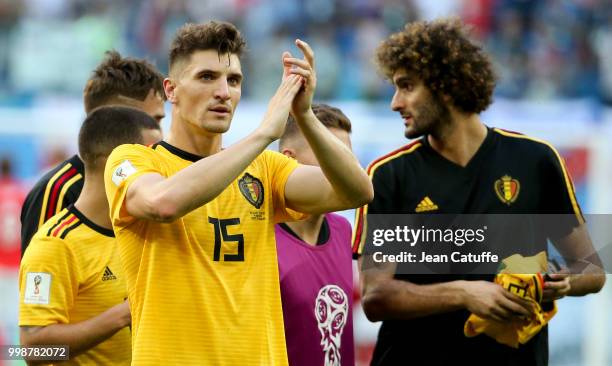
(121, 316)
(264, 136)
(304, 116)
(124, 320)
(462, 293)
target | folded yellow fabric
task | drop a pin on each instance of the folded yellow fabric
(522, 276)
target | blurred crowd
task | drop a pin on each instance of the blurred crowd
(543, 49)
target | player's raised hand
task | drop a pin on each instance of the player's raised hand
(306, 68)
(275, 119)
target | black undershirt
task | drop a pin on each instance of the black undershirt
(323, 233)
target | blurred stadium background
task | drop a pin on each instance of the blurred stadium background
(553, 57)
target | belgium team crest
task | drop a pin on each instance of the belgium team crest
(252, 189)
(507, 189)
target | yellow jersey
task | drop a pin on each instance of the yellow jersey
(69, 273)
(204, 289)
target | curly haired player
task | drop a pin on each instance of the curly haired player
(456, 165)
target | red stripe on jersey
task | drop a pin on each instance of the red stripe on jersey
(67, 222)
(358, 230)
(52, 204)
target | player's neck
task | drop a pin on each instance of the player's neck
(92, 201)
(190, 138)
(308, 230)
(460, 139)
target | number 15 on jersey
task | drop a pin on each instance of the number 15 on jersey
(221, 236)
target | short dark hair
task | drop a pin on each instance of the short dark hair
(115, 76)
(108, 127)
(442, 55)
(220, 36)
(330, 117)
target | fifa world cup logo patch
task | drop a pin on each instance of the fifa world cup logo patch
(331, 311)
(252, 189)
(507, 189)
(37, 281)
(37, 289)
(123, 171)
(120, 173)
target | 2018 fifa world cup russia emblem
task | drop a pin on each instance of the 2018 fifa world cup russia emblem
(37, 281)
(507, 189)
(331, 312)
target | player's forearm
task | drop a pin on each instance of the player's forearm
(204, 180)
(349, 181)
(587, 283)
(81, 336)
(583, 262)
(395, 299)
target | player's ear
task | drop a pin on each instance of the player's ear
(288, 152)
(169, 89)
